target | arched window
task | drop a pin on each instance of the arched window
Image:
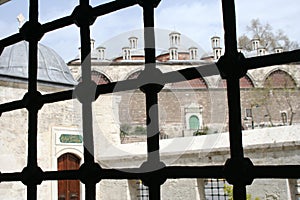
(194, 122)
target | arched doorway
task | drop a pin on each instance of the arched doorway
(68, 189)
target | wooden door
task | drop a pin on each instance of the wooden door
(68, 189)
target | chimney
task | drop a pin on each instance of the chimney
(174, 38)
(133, 42)
(92, 44)
(173, 53)
(126, 53)
(215, 42)
(101, 53)
(255, 43)
(278, 49)
(193, 53)
(261, 51)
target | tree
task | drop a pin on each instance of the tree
(268, 37)
(228, 189)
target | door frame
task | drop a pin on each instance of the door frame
(59, 149)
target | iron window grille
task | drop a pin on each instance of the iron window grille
(142, 190)
(238, 170)
(214, 189)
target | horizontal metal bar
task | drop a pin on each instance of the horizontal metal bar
(171, 172)
(113, 6)
(286, 171)
(273, 59)
(9, 177)
(13, 105)
(68, 20)
(10, 40)
(62, 175)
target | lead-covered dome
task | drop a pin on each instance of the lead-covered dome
(51, 67)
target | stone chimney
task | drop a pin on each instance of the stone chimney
(278, 49)
(173, 53)
(193, 53)
(126, 53)
(92, 44)
(174, 38)
(101, 53)
(133, 42)
(255, 43)
(261, 51)
(215, 44)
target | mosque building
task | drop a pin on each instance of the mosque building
(193, 117)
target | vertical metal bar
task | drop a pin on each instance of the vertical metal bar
(32, 111)
(31, 192)
(85, 52)
(90, 191)
(87, 117)
(34, 10)
(229, 24)
(233, 92)
(154, 192)
(152, 128)
(149, 35)
(234, 108)
(151, 97)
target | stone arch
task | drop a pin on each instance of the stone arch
(98, 77)
(74, 151)
(133, 75)
(245, 82)
(197, 83)
(279, 78)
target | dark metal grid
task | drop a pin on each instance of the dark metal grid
(214, 189)
(143, 191)
(238, 170)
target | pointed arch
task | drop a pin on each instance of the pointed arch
(133, 75)
(245, 82)
(197, 83)
(279, 79)
(98, 77)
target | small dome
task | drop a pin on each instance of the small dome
(51, 67)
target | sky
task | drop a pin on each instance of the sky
(198, 20)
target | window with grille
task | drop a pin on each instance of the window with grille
(214, 189)
(232, 66)
(143, 191)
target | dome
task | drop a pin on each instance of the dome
(51, 67)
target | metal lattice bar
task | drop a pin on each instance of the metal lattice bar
(232, 76)
(238, 170)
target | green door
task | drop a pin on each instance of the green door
(194, 122)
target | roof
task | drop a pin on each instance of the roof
(51, 67)
(113, 47)
(3, 1)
